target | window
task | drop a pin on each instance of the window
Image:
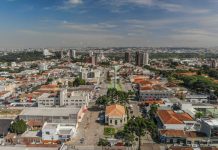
(47, 133)
(115, 122)
(110, 121)
(121, 121)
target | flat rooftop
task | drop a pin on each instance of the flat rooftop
(212, 122)
(49, 111)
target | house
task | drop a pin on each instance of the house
(115, 115)
(31, 137)
(210, 128)
(182, 137)
(175, 120)
(57, 133)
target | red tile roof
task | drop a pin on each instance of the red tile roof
(171, 117)
(115, 110)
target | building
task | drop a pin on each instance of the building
(47, 53)
(213, 63)
(64, 99)
(43, 67)
(196, 98)
(115, 115)
(175, 120)
(91, 75)
(57, 132)
(72, 53)
(210, 128)
(181, 137)
(145, 59)
(141, 59)
(138, 58)
(127, 57)
(53, 115)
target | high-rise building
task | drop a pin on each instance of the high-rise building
(137, 58)
(141, 59)
(91, 53)
(145, 58)
(213, 63)
(72, 53)
(127, 57)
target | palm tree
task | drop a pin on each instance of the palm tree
(199, 115)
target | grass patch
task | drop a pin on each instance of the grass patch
(109, 131)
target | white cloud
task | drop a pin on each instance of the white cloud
(68, 4)
(74, 2)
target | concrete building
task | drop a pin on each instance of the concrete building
(145, 58)
(53, 115)
(90, 75)
(196, 98)
(43, 67)
(127, 57)
(210, 128)
(47, 53)
(115, 115)
(64, 99)
(57, 132)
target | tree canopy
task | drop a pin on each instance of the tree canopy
(18, 127)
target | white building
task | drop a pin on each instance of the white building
(90, 75)
(57, 133)
(210, 128)
(65, 98)
(196, 98)
(43, 67)
(47, 53)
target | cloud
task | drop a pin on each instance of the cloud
(98, 27)
(170, 7)
(68, 4)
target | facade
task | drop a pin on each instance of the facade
(127, 57)
(155, 94)
(115, 115)
(53, 115)
(65, 98)
(196, 98)
(145, 58)
(57, 133)
(210, 128)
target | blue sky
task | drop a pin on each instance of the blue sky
(107, 23)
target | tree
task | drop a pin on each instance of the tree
(199, 115)
(153, 110)
(18, 127)
(103, 142)
(78, 82)
(103, 100)
(138, 126)
(49, 80)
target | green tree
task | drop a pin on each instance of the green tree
(18, 127)
(103, 100)
(138, 127)
(103, 142)
(153, 110)
(78, 82)
(199, 115)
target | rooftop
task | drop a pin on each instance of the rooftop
(49, 111)
(171, 117)
(115, 110)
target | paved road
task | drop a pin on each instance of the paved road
(88, 129)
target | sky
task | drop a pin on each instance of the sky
(108, 23)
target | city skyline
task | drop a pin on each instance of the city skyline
(108, 23)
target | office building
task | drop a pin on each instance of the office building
(127, 57)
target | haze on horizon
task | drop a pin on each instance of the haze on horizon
(108, 23)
